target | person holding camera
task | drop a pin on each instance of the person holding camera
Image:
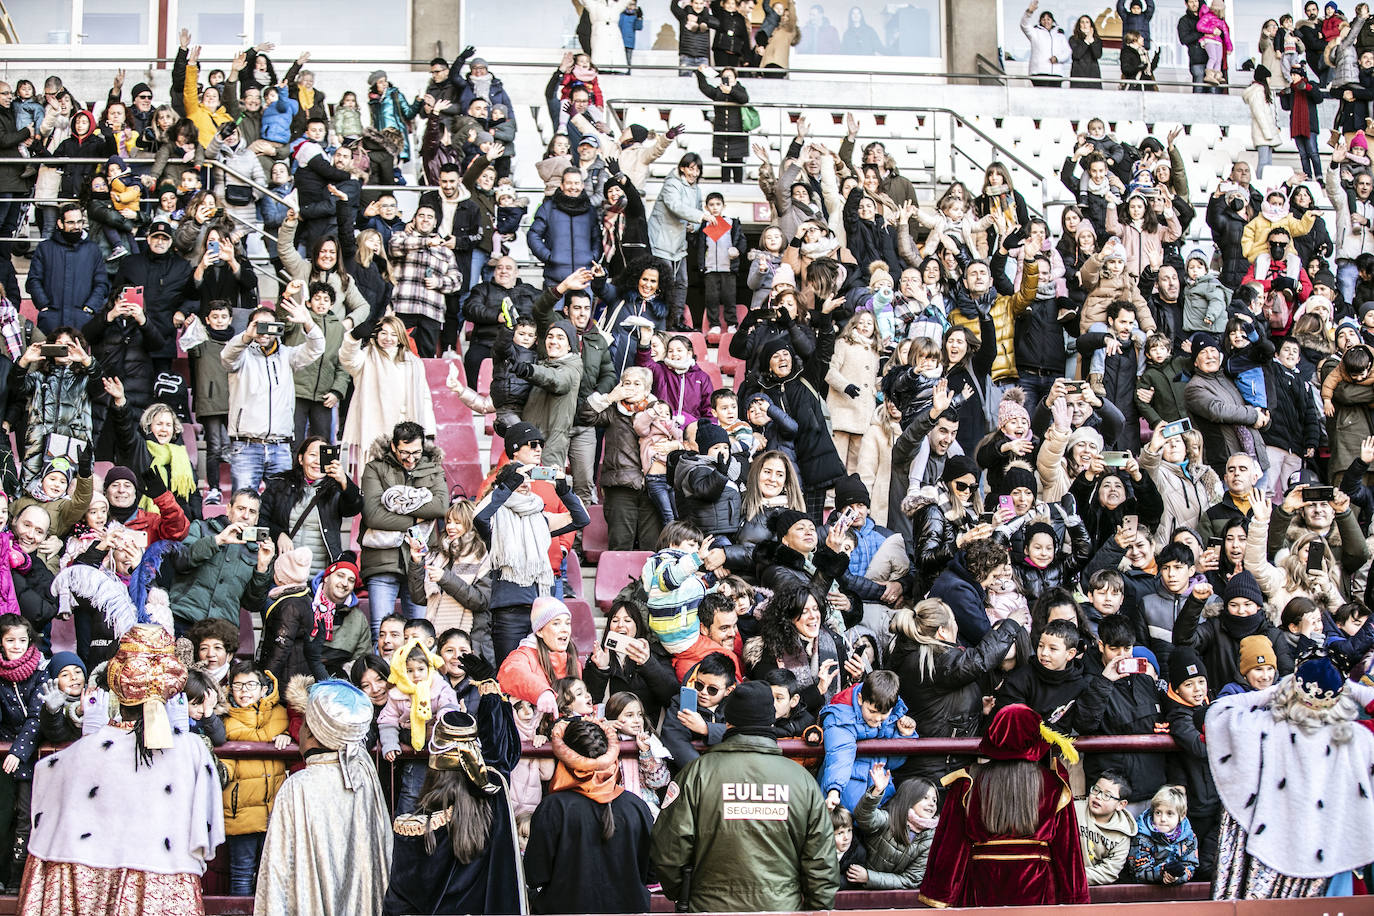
(306, 506)
(262, 392)
(225, 565)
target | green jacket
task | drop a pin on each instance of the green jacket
(1167, 403)
(382, 472)
(211, 379)
(63, 512)
(215, 581)
(324, 375)
(598, 371)
(753, 827)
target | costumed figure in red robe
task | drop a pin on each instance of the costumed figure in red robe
(1008, 835)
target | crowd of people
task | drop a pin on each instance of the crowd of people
(974, 476)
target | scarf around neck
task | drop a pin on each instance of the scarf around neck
(598, 778)
(520, 542)
(21, 668)
(181, 479)
(421, 699)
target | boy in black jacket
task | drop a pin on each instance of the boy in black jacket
(1185, 708)
(793, 716)
(1133, 707)
(1055, 684)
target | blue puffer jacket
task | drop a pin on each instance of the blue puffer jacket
(19, 705)
(68, 283)
(565, 235)
(1151, 851)
(391, 110)
(843, 724)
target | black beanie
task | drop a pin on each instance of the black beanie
(638, 134)
(781, 522)
(750, 706)
(120, 472)
(850, 491)
(1185, 664)
(521, 434)
(139, 89)
(1243, 585)
(957, 466)
(1019, 476)
(709, 434)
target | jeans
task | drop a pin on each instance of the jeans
(629, 58)
(1197, 72)
(661, 495)
(382, 591)
(410, 778)
(689, 63)
(313, 419)
(582, 461)
(478, 270)
(509, 625)
(1264, 157)
(1310, 156)
(251, 462)
(1347, 275)
(216, 447)
(245, 849)
(1036, 387)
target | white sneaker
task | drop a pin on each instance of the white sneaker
(212, 497)
(119, 252)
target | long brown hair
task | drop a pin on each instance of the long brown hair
(1008, 796)
(469, 824)
(546, 661)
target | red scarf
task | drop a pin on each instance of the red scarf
(22, 668)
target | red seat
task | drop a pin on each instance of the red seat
(727, 363)
(595, 535)
(245, 633)
(28, 310)
(484, 377)
(573, 571)
(458, 440)
(448, 408)
(698, 340)
(583, 626)
(465, 476)
(614, 571)
(712, 370)
(498, 450)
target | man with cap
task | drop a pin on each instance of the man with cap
(165, 279)
(85, 844)
(125, 490)
(742, 827)
(1218, 411)
(328, 844)
(870, 537)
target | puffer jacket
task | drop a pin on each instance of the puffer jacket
(1166, 405)
(391, 110)
(57, 399)
(1297, 423)
(253, 784)
(214, 581)
(484, 304)
(1006, 308)
(384, 471)
(1228, 228)
(620, 464)
(678, 210)
(945, 699)
(20, 702)
(1065, 566)
(687, 394)
(258, 379)
(891, 865)
(932, 546)
(843, 723)
(1345, 61)
(283, 492)
(124, 348)
(1101, 291)
(708, 495)
(68, 283)
(1151, 851)
(565, 235)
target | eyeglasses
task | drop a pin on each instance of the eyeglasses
(245, 685)
(410, 453)
(1103, 793)
(146, 95)
(961, 486)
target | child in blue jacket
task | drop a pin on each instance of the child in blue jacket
(278, 108)
(1164, 849)
(871, 709)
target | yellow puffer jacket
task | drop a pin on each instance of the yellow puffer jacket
(1005, 311)
(253, 784)
(207, 122)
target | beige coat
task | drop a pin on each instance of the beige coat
(385, 392)
(875, 461)
(1102, 291)
(788, 33)
(852, 364)
(1185, 500)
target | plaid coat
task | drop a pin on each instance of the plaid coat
(412, 257)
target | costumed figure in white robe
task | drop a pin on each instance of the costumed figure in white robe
(328, 845)
(1295, 773)
(125, 819)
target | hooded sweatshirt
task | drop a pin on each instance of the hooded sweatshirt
(1105, 846)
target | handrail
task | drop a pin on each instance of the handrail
(546, 66)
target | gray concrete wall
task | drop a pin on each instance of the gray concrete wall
(434, 27)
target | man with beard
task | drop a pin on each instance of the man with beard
(565, 234)
(1166, 304)
(298, 622)
(164, 277)
(315, 179)
(67, 277)
(426, 272)
(458, 219)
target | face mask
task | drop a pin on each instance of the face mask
(73, 236)
(1237, 204)
(1277, 250)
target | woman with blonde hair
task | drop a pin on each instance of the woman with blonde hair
(454, 582)
(1186, 485)
(389, 384)
(1289, 577)
(942, 679)
(852, 379)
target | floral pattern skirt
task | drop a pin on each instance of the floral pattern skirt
(82, 890)
(1240, 876)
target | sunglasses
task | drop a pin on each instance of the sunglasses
(961, 486)
(710, 689)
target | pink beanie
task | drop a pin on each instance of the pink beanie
(545, 610)
(293, 567)
(1010, 408)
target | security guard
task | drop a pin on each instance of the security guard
(743, 828)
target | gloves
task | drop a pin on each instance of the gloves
(562, 485)
(510, 477)
(523, 371)
(467, 52)
(676, 130)
(85, 462)
(612, 166)
(852, 390)
(53, 697)
(1200, 717)
(153, 487)
(1015, 239)
(477, 667)
(363, 332)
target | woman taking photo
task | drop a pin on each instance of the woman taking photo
(635, 670)
(307, 505)
(325, 266)
(454, 581)
(512, 523)
(792, 635)
(389, 385)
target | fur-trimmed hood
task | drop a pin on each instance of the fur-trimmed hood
(297, 692)
(381, 448)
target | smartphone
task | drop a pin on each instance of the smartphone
(133, 295)
(541, 472)
(271, 328)
(1176, 428)
(987, 518)
(1130, 524)
(1115, 459)
(687, 699)
(1318, 494)
(328, 455)
(619, 642)
(254, 533)
(212, 248)
(1004, 502)
(1316, 552)
(419, 532)
(1132, 665)
(53, 351)
(1215, 540)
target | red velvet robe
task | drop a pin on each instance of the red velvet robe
(970, 867)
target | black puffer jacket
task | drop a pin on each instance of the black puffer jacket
(1063, 569)
(283, 492)
(654, 682)
(933, 546)
(1228, 226)
(1133, 708)
(760, 328)
(32, 592)
(706, 495)
(166, 280)
(483, 307)
(946, 700)
(1297, 424)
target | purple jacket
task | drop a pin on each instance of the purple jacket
(9, 604)
(688, 394)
